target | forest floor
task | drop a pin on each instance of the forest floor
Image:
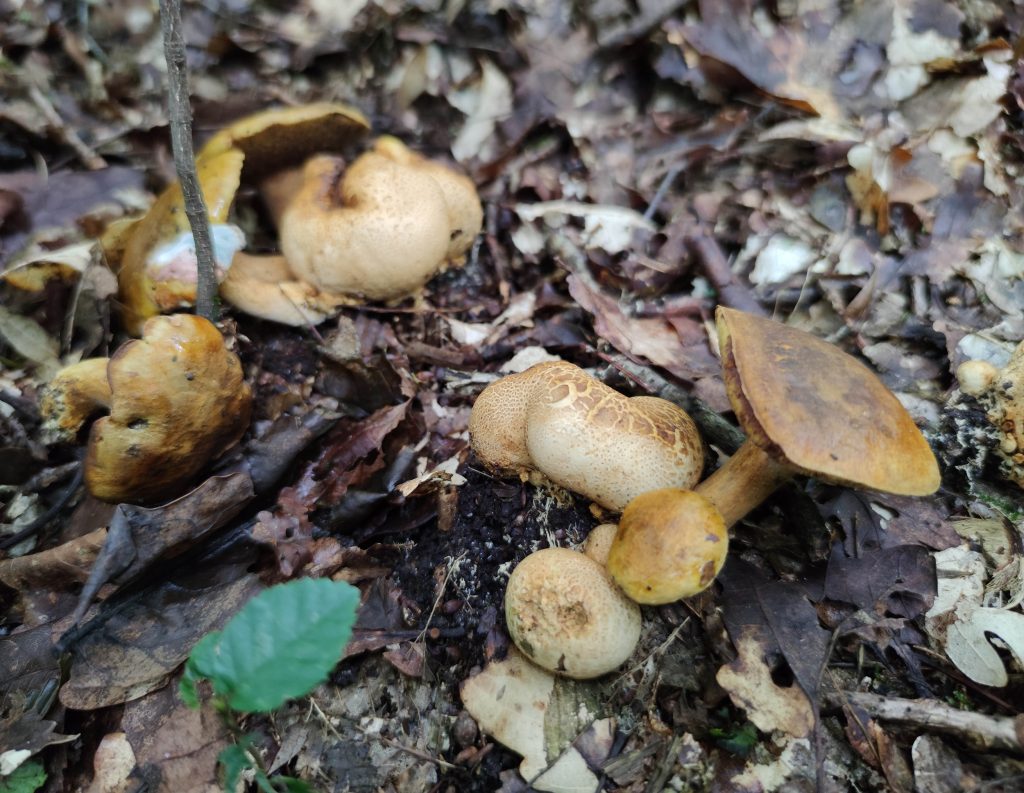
(850, 169)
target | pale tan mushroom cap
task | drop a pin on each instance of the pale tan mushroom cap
(497, 423)
(178, 402)
(591, 439)
(381, 228)
(583, 435)
(465, 214)
(599, 542)
(565, 613)
(264, 286)
(813, 407)
(670, 544)
(380, 231)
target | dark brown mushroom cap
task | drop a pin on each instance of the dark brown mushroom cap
(286, 136)
(811, 406)
(178, 402)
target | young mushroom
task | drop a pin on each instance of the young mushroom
(555, 420)
(670, 544)
(807, 408)
(380, 228)
(151, 254)
(1001, 393)
(567, 616)
(176, 399)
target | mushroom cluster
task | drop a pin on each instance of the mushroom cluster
(807, 408)
(1001, 393)
(176, 400)
(555, 420)
(376, 230)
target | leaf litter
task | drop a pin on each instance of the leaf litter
(853, 170)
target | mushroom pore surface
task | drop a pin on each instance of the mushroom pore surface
(564, 613)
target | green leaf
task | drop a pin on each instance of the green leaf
(281, 645)
(293, 785)
(235, 760)
(26, 778)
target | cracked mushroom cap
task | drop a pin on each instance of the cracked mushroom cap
(177, 401)
(584, 435)
(379, 229)
(816, 409)
(567, 616)
(670, 544)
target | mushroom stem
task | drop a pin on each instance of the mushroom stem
(743, 482)
(75, 393)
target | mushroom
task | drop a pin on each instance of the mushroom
(575, 431)
(381, 228)
(1001, 393)
(265, 287)
(599, 542)
(567, 616)
(670, 544)
(176, 399)
(151, 280)
(807, 408)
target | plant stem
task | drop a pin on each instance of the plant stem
(180, 117)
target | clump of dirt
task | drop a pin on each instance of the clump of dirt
(464, 570)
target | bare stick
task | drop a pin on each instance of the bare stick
(180, 115)
(990, 732)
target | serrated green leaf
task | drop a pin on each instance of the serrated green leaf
(281, 645)
(26, 778)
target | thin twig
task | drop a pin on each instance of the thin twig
(731, 291)
(64, 133)
(992, 732)
(180, 117)
(712, 426)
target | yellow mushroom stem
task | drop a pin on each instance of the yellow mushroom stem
(744, 481)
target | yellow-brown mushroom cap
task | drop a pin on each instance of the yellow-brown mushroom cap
(670, 544)
(566, 614)
(178, 401)
(813, 407)
(144, 294)
(72, 396)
